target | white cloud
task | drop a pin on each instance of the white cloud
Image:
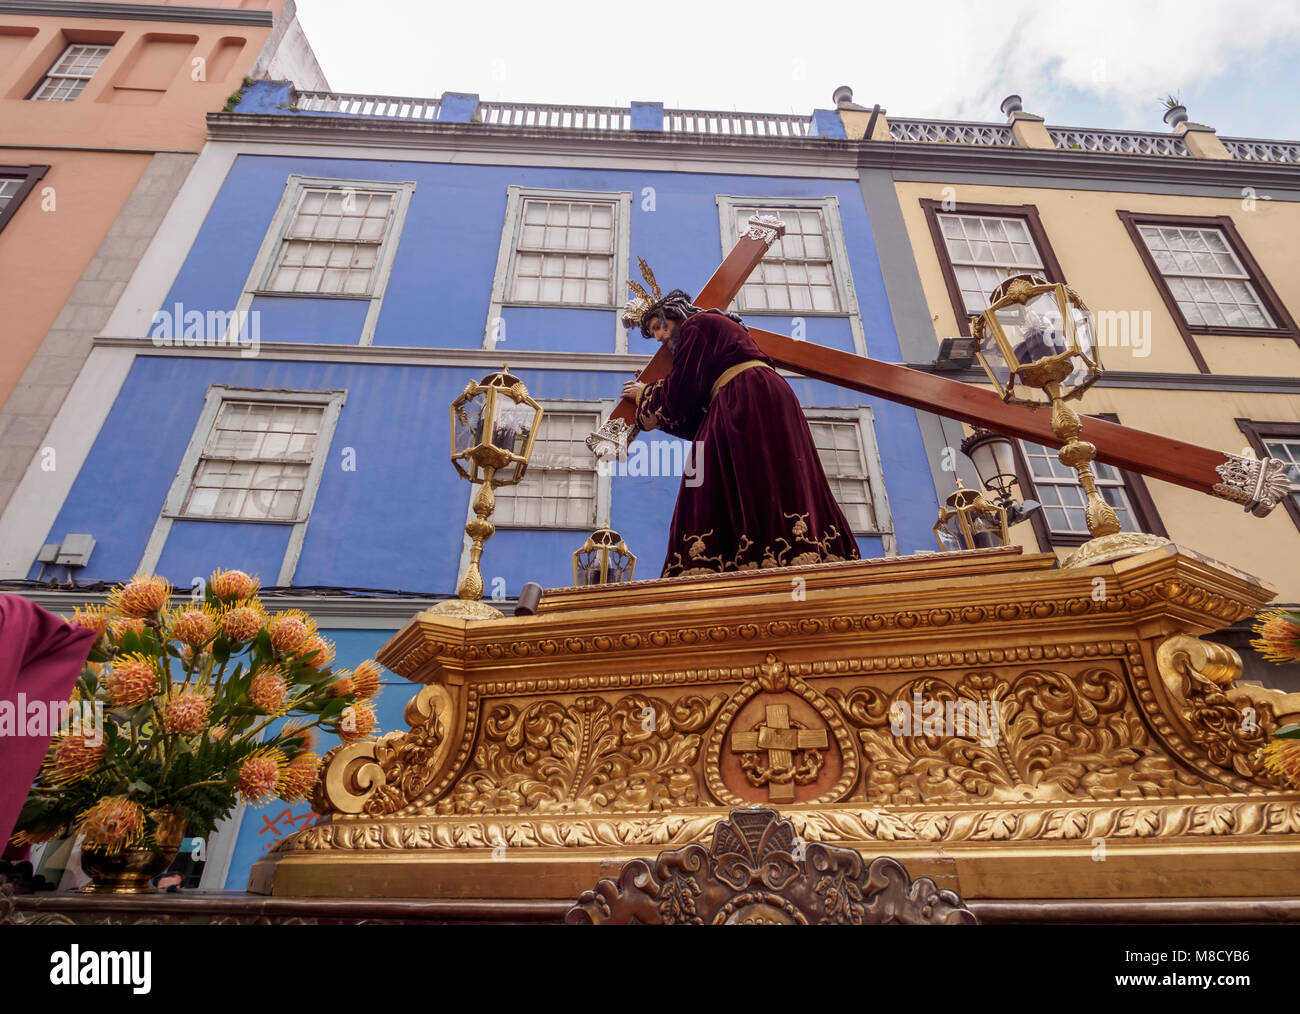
(944, 58)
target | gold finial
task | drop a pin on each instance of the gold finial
(649, 276)
(642, 300)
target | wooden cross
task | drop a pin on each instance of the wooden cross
(1258, 484)
(780, 741)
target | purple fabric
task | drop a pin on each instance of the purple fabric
(762, 499)
(41, 656)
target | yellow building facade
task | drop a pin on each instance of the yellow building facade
(1184, 247)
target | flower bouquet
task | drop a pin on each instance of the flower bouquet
(184, 697)
(1278, 640)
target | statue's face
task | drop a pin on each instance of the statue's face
(662, 330)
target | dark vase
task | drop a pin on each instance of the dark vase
(130, 870)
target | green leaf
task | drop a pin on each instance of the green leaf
(1288, 732)
(334, 708)
(221, 649)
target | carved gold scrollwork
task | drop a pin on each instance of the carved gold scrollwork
(638, 753)
(1040, 736)
(755, 873)
(381, 776)
(1199, 676)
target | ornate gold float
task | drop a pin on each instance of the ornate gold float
(1107, 751)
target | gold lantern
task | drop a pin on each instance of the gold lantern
(1036, 336)
(493, 427)
(1035, 342)
(969, 521)
(603, 559)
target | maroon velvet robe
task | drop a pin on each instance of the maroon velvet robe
(763, 500)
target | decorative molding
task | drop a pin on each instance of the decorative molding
(1258, 483)
(758, 872)
(831, 159)
(1221, 818)
(400, 355)
(137, 12)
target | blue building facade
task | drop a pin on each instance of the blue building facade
(381, 263)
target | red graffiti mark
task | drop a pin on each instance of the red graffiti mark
(293, 821)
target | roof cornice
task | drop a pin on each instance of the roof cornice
(816, 154)
(1061, 163)
(489, 139)
(137, 12)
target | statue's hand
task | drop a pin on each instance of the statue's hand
(632, 389)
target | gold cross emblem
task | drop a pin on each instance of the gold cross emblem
(780, 741)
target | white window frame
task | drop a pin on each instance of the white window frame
(604, 483)
(1026, 451)
(728, 204)
(217, 394)
(50, 74)
(1241, 274)
(865, 417)
(1292, 460)
(269, 252)
(503, 279)
(1007, 271)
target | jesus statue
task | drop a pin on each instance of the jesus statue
(761, 498)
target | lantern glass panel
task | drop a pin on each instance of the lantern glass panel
(949, 533)
(469, 423)
(620, 567)
(994, 361)
(589, 567)
(1083, 333)
(986, 531)
(1035, 328)
(512, 425)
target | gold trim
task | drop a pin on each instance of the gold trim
(730, 372)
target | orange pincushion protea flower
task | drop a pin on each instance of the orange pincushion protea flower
(132, 680)
(217, 732)
(1279, 636)
(94, 618)
(306, 737)
(317, 653)
(356, 722)
(261, 773)
(111, 824)
(232, 585)
(298, 777)
(365, 679)
(118, 628)
(269, 691)
(186, 713)
(72, 759)
(34, 837)
(290, 631)
(1282, 757)
(141, 597)
(194, 625)
(242, 622)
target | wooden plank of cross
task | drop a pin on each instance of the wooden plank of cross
(1258, 484)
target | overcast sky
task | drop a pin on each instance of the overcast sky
(1099, 63)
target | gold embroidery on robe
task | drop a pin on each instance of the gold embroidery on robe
(697, 548)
